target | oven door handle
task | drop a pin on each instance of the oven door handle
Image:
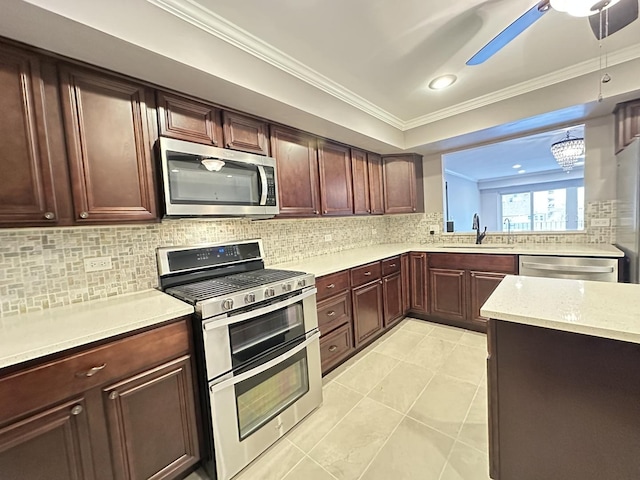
(230, 320)
(229, 382)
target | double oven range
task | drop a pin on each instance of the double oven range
(257, 347)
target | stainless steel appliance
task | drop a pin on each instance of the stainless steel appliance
(201, 180)
(257, 344)
(577, 268)
(628, 218)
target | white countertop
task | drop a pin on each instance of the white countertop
(33, 335)
(334, 262)
(601, 309)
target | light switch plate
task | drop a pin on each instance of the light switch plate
(97, 264)
(600, 222)
(328, 237)
(434, 228)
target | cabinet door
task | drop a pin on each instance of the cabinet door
(448, 293)
(188, 120)
(392, 295)
(110, 160)
(418, 280)
(297, 169)
(400, 184)
(375, 183)
(336, 194)
(245, 133)
(482, 286)
(26, 190)
(334, 312)
(627, 126)
(367, 311)
(151, 420)
(360, 171)
(404, 271)
(53, 444)
(335, 347)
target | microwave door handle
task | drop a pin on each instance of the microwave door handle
(228, 382)
(230, 320)
(263, 181)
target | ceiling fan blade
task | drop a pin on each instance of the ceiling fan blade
(620, 15)
(509, 33)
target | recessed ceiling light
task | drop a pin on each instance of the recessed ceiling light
(443, 81)
(517, 165)
(521, 171)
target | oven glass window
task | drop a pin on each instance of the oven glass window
(262, 334)
(260, 398)
(191, 182)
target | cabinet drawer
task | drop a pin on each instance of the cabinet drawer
(30, 389)
(329, 285)
(390, 265)
(475, 261)
(365, 274)
(335, 346)
(333, 312)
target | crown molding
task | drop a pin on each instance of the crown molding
(460, 175)
(212, 23)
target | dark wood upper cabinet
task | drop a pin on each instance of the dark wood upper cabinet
(367, 311)
(448, 293)
(336, 194)
(376, 187)
(418, 297)
(109, 147)
(402, 180)
(297, 169)
(482, 285)
(360, 172)
(392, 298)
(245, 133)
(27, 193)
(627, 123)
(186, 119)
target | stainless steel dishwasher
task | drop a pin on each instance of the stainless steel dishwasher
(576, 268)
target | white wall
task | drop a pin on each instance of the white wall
(600, 161)
(464, 201)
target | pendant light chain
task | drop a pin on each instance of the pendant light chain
(606, 78)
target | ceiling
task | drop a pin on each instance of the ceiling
(354, 70)
(496, 160)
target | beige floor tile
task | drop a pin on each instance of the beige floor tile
(274, 463)
(475, 430)
(453, 334)
(347, 450)
(431, 353)
(417, 326)
(414, 451)
(444, 404)
(337, 402)
(402, 386)
(307, 469)
(466, 463)
(466, 363)
(400, 344)
(366, 374)
(474, 339)
(198, 475)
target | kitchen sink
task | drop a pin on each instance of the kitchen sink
(482, 247)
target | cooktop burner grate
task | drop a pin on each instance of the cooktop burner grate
(217, 287)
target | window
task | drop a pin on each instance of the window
(544, 210)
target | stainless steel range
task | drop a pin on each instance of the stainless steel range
(257, 344)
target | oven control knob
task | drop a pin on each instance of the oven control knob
(286, 287)
(250, 298)
(269, 292)
(302, 283)
(227, 304)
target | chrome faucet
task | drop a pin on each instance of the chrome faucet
(476, 227)
(508, 222)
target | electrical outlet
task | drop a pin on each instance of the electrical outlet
(97, 264)
(328, 237)
(434, 228)
(600, 222)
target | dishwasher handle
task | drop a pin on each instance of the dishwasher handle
(568, 268)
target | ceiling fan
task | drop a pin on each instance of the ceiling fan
(620, 14)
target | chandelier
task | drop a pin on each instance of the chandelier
(568, 151)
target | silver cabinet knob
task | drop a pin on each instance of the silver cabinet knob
(84, 214)
(333, 348)
(77, 410)
(49, 215)
(227, 304)
(113, 395)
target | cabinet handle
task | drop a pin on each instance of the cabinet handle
(331, 313)
(92, 371)
(84, 214)
(368, 210)
(77, 410)
(325, 211)
(392, 265)
(333, 348)
(113, 395)
(331, 285)
(367, 274)
(49, 215)
(229, 144)
(414, 209)
(316, 212)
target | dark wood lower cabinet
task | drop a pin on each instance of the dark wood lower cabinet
(482, 285)
(418, 282)
(392, 299)
(406, 285)
(336, 346)
(367, 311)
(448, 293)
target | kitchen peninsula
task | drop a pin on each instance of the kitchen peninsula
(563, 380)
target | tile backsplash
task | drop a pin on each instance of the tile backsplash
(44, 268)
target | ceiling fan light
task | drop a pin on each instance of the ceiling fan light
(582, 8)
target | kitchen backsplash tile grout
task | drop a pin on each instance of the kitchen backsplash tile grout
(44, 267)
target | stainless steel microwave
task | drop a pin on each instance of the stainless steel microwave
(201, 180)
